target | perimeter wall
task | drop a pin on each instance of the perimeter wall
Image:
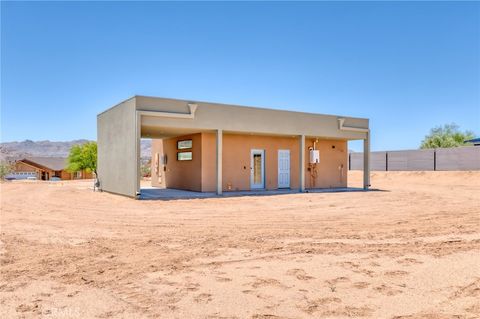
(441, 159)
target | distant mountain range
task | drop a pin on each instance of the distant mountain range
(11, 151)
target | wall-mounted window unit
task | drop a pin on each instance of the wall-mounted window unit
(185, 144)
(184, 156)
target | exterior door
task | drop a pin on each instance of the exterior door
(257, 168)
(283, 168)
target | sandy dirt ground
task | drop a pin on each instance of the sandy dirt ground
(410, 250)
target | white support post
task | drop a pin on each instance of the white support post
(138, 125)
(366, 161)
(219, 161)
(302, 162)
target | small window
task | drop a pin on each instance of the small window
(184, 156)
(182, 145)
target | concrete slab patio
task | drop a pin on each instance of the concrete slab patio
(153, 193)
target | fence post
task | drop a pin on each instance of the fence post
(386, 161)
(435, 159)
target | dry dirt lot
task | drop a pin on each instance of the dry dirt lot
(411, 250)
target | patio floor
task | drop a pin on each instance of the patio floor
(170, 193)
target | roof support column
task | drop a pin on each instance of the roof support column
(219, 161)
(138, 134)
(366, 161)
(302, 162)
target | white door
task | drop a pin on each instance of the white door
(283, 168)
(257, 168)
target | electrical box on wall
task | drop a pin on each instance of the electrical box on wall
(314, 156)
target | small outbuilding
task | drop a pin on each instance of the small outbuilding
(212, 147)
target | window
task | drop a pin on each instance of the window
(184, 156)
(182, 145)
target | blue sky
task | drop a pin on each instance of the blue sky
(408, 66)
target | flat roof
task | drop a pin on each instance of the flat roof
(238, 105)
(162, 117)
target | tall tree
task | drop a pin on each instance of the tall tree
(448, 135)
(83, 157)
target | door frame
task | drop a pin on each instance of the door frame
(289, 168)
(262, 153)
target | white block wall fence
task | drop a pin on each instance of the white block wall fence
(465, 158)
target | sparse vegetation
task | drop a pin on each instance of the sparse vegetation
(448, 135)
(146, 168)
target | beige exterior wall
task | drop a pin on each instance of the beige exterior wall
(237, 160)
(118, 149)
(331, 172)
(184, 174)
(200, 175)
(209, 164)
(240, 119)
(158, 169)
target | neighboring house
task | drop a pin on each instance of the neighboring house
(211, 147)
(474, 141)
(44, 168)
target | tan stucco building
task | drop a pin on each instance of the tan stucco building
(211, 147)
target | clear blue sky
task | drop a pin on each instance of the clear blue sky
(407, 66)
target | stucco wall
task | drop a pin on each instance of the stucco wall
(200, 173)
(242, 119)
(209, 163)
(333, 168)
(117, 149)
(158, 169)
(237, 161)
(183, 174)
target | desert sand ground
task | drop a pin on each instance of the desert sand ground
(411, 250)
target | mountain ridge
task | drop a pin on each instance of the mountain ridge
(11, 151)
